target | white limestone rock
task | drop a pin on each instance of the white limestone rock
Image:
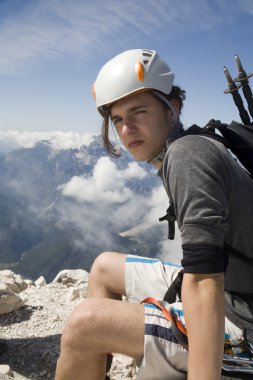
(29, 283)
(12, 281)
(77, 293)
(5, 370)
(9, 301)
(4, 377)
(70, 277)
(40, 282)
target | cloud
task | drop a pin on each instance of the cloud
(109, 205)
(10, 140)
(51, 29)
(110, 192)
(135, 171)
(171, 250)
(108, 184)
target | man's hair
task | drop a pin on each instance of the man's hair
(176, 94)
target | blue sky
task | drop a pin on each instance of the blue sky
(52, 50)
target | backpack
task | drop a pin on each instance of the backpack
(235, 136)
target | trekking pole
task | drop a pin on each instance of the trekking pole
(233, 89)
(243, 79)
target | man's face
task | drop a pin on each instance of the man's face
(143, 124)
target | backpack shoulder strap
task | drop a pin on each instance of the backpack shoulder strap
(174, 290)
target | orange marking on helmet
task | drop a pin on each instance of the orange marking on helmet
(93, 91)
(139, 69)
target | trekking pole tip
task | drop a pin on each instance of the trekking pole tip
(242, 75)
(241, 72)
(231, 84)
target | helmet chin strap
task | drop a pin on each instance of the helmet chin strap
(160, 157)
(167, 102)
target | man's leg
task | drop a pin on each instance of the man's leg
(83, 344)
(107, 276)
(95, 327)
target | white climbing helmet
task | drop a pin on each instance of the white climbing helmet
(128, 72)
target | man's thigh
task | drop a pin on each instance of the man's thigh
(103, 325)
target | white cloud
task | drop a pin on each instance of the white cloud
(59, 140)
(49, 29)
(87, 190)
(135, 171)
(108, 184)
(160, 203)
(171, 250)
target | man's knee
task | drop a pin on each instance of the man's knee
(82, 325)
(107, 276)
(101, 266)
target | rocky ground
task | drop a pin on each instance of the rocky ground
(33, 330)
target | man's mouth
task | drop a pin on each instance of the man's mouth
(135, 143)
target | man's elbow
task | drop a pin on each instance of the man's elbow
(199, 280)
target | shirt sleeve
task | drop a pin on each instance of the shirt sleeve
(197, 179)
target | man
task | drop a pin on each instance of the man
(212, 197)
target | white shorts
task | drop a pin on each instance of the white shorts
(164, 358)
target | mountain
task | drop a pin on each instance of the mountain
(44, 229)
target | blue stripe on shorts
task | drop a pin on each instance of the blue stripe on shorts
(148, 261)
(151, 306)
(179, 312)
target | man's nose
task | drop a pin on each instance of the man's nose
(128, 126)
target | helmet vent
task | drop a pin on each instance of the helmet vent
(147, 54)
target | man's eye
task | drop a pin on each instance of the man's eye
(116, 121)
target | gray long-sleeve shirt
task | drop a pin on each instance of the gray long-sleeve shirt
(213, 201)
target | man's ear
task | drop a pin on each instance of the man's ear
(175, 104)
(171, 114)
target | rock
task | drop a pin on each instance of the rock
(5, 370)
(20, 282)
(40, 282)
(123, 367)
(7, 273)
(9, 301)
(3, 286)
(29, 283)
(4, 377)
(77, 293)
(10, 284)
(72, 277)
(13, 282)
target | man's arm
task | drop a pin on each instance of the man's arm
(203, 302)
